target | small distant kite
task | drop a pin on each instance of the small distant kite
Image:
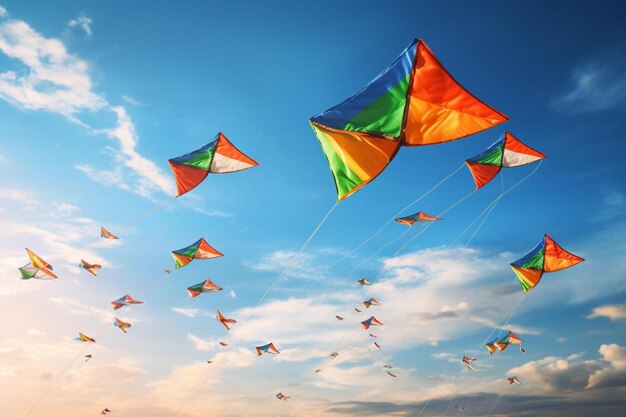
(209, 361)
(218, 156)
(282, 396)
(203, 287)
(167, 270)
(269, 348)
(105, 234)
(91, 268)
(372, 321)
(390, 374)
(197, 250)
(372, 335)
(461, 409)
(87, 357)
(123, 326)
(225, 321)
(506, 152)
(85, 338)
(340, 318)
(364, 281)
(547, 256)
(388, 366)
(124, 301)
(223, 344)
(468, 362)
(334, 355)
(513, 380)
(419, 217)
(370, 302)
(377, 345)
(357, 310)
(106, 410)
(317, 371)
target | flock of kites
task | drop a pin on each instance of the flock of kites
(414, 102)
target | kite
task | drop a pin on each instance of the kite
(371, 322)
(209, 361)
(225, 322)
(198, 250)
(420, 217)
(373, 335)
(105, 234)
(91, 268)
(370, 302)
(223, 344)
(124, 301)
(506, 152)
(357, 310)
(218, 156)
(513, 380)
(334, 355)
(167, 270)
(414, 102)
(491, 346)
(87, 357)
(377, 345)
(547, 256)
(317, 371)
(364, 281)
(122, 325)
(85, 338)
(340, 318)
(204, 286)
(269, 348)
(388, 366)
(106, 410)
(468, 362)
(511, 339)
(36, 261)
(390, 374)
(282, 396)
(29, 271)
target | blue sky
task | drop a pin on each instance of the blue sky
(97, 96)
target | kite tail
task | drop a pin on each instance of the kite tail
(290, 266)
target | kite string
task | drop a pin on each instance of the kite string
(295, 258)
(396, 215)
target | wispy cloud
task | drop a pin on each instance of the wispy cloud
(597, 84)
(614, 312)
(189, 312)
(83, 22)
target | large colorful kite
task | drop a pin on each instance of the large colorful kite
(218, 157)
(197, 250)
(29, 271)
(547, 256)
(506, 152)
(414, 102)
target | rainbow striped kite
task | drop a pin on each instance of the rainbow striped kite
(547, 256)
(506, 152)
(198, 250)
(420, 217)
(414, 102)
(218, 156)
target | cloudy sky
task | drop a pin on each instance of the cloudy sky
(95, 97)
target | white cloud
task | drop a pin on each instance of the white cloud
(613, 371)
(189, 312)
(3, 12)
(82, 22)
(128, 99)
(232, 294)
(614, 312)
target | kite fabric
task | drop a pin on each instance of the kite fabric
(28, 271)
(218, 157)
(282, 396)
(547, 256)
(197, 250)
(506, 152)
(85, 338)
(420, 217)
(491, 346)
(371, 322)
(414, 102)
(468, 362)
(225, 321)
(364, 281)
(105, 234)
(93, 269)
(36, 261)
(124, 301)
(513, 380)
(123, 326)
(203, 287)
(269, 348)
(371, 302)
(511, 339)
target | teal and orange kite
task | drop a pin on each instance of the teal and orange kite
(414, 102)
(197, 250)
(420, 217)
(218, 156)
(547, 256)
